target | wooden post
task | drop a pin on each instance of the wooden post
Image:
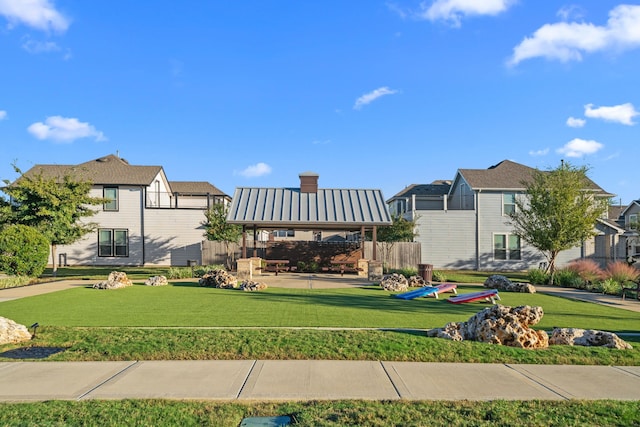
(255, 243)
(374, 235)
(244, 241)
(362, 240)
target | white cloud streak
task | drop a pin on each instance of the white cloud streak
(33, 46)
(623, 113)
(574, 122)
(368, 98)
(568, 41)
(452, 11)
(579, 147)
(542, 152)
(38, 14)
(257, 170)
(3, 115)
(63, 129)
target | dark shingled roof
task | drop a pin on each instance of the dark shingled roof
(438, 188)
(507, 175)
(195, 188)
(110, 170)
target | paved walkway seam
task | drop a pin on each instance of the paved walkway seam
(257, 366)
(112, 377)
(402, 394)
(537, 381)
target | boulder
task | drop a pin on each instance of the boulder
(497, 281)
(12, 332)
(156, 281)
(416, 282)
(219, 279)
(394, 283)
(116, 280)
(499, 324)
(587, 337)
(251, 286)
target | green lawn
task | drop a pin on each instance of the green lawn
(187, 304)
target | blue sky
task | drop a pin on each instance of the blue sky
(368, 94)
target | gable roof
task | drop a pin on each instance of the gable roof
(508, 175)
(332, 209)
(195, 188)
(110, 170)
(437, 188)
(632, 204)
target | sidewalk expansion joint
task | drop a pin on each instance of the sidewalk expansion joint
(117, 374)
(398, 393)
(537, 381)
(244, 383)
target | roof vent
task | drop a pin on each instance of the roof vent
(308, 182)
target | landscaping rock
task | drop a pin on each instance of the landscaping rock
(116, 280)
(498, 324)
(12, 332)
(251, 286)
(587, 337)
(394, 283)
(219, 279)
(416, 282)
(497, 281)
(156, 281)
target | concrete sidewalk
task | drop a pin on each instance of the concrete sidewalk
(278, 380)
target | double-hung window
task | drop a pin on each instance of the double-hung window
(110, 194)
(508, 203)
(506, 246)
(113, 242)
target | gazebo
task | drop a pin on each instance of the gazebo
(308, 208)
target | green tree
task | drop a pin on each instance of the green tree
(218, 229)
(23, 251)
(55, 206)
(400, 230)
(559, 211)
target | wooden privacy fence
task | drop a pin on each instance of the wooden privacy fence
(393, 255)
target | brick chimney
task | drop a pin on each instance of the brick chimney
(308, 182)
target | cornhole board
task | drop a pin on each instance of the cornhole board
(444, 287)
(421, 292)
(489, 295)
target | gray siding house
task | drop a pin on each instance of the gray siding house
(148, 219)
(463, 223)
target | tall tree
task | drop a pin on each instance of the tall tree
(559, 211)
(55, 206)
(218, 229)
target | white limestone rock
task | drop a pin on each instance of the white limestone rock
(12, 332)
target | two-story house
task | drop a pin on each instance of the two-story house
(147, 220)
(463, 223)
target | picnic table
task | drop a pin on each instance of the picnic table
(276, 265)
(344, 265)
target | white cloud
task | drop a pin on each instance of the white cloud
(572, 11)
(63, 129)
(567, 41)
(453, 11)
(368, 98)
(542, 152)
(38, 14)
(33, 46)
(3, 115)
(574, 122)
(579, 147)
(259, 169)
(623, 113)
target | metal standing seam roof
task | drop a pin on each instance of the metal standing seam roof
(328, 208)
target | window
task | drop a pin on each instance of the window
(506, 246)
(111, 195)
(508, 203)
(633, 220)
(284, 233)
(113, 242)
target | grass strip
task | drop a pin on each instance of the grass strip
(100, 344)
(323, 413)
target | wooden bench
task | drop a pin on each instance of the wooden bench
(276, 265)
(634, 287)
(344, 266)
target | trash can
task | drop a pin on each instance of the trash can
(426, 272)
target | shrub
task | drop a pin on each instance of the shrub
(536, 276)
(568, 279)
(13, 282)
(439, 276)
(23, 251)
(622, 272)
(179, 273)
(201, 270)
(588, 270)
(608, 286)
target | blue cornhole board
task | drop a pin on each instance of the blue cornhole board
(423, 291)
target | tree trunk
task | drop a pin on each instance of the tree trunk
(53, 260)
(552, 266)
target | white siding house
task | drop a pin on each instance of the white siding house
(148, 220)
(463, 223)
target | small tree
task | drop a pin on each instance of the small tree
(218, 229)
(55, 206)
(400, 230)
(558, 212)
(23, 251)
